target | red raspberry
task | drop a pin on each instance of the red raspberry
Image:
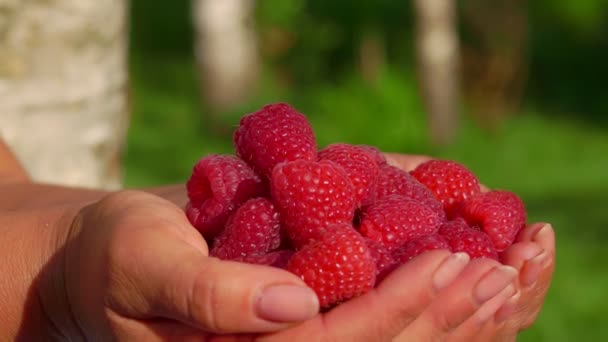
(310, 196)
(277, 259)
(420, 245)
(450, 182)
(374, 151)
(337, 267)
(395, 220)
(359, 165)
(453, 228)
(385, 263)
(274, 134)
(501, 214)
(393, 180)
(217, 186)
(254, 228)
(463, 238)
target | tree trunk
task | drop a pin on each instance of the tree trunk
(226, 50)
(437, 47)
(372, 57)
(63, 88)
(495, 59)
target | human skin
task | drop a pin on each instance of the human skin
(91, 265)
(532, 254)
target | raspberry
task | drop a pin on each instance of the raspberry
(450, 182)
(359, 165)
(420, 245)
(463, 238)
(217, 186)
(385, 263)
(392, 180)
(277, 259)
(379, 157)
(310, 196)
(254, 228)
(396, 220)
(337, 267)
(501, 214)
(274, 134)
(453, 228)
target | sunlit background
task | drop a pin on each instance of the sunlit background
(516, 90)
(532, 112)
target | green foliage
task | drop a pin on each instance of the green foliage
(553, 153)
(582, 17)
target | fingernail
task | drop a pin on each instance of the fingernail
(532, 269)
(287, 303)
(507, 309)
(449, 269)
(498, 303)
(538, 236)
(494, 282)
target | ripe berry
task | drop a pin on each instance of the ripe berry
(274, 134)
(450, 182)
(392, 180)
(501, 214)
(337, 267)
(385, 263)
(217, 186)
(396, 220)
(359, 165)
(420, 245)
(310, 197)
(463, 238)
(374, 151)
(277, 259)
(253, 229)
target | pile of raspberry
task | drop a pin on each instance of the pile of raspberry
(341, 217)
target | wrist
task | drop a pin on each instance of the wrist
(35, 196)
(31, 291)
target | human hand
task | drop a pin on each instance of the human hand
(423, 300)
(532, 254)
(133, 268)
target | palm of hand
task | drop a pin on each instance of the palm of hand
(153, 267)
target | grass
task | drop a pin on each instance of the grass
(557, 163)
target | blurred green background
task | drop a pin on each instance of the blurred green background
(549, 144)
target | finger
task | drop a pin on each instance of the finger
(126, 329)
(143, 211)
(223, 296)
(518, 253)
(382, 313)
(509, 309)
(536, 273)
(167, 276)
(174, 193)
(531, 231)
(520, 311)
(405, 162)
(476, 295)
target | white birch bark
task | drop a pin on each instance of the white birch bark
(63, 88)
(437, 46)
(226, 50)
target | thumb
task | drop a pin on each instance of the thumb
(224, 296)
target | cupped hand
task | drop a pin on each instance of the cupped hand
(423, 300)
(134, 269)
(532, 255)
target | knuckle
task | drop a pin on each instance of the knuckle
(205, 303)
